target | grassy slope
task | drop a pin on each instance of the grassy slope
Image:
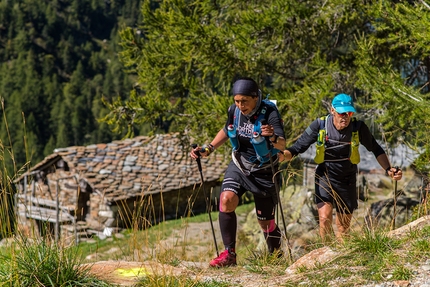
(366, 256)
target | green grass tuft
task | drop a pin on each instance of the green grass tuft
(372, 243)
(172, 281)
(44, 263)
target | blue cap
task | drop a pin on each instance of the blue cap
(342, 103)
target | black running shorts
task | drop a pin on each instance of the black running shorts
(259, 184)
(342, 193)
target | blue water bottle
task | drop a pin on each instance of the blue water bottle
(260, 147)
(231, 131)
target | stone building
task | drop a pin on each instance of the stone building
(103, 188)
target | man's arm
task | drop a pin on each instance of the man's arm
(219, 139)
(368, 140)
(393, 172)
(304, 142)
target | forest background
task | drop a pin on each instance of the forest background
(80, 72)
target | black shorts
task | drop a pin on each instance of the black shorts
(342, 193)
(258, 184)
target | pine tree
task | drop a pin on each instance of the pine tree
(187, 54)
(393, 69)
(52, 57)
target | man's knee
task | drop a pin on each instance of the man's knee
(228, 201)
(325, 211)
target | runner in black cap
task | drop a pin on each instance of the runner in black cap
(250, 168)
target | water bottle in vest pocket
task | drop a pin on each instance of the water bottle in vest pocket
(355, 144)
(320, 147)
(260, 147)
(231, 130)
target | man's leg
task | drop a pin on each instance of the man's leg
(343, 222)
(228, 219)
(325, 214)
(265, 208)
(272, 234)
(228, 225)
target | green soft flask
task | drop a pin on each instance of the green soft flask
(320, 147)
(355, 144)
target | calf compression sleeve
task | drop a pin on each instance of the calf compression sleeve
(273, 239)
(228, 227)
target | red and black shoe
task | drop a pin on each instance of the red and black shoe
(225, 259)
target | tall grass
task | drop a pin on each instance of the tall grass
(32, 262)
(372, 242)
(370, 256)
(42, 262)
(7, 190)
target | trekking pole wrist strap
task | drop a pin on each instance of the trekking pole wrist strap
(209, 149)
(387, 170)
(274, 138)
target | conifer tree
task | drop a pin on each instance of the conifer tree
(187, 54)
(52, 57)
(393, 70)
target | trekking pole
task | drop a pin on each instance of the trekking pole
(277, 190)
(395, 202)
(208, 207)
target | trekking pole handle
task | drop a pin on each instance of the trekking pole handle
(263, 122)
(269, 143)
(199, 151)
(397, 169)
(198, 154)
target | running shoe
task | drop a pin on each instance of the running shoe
(226, 258)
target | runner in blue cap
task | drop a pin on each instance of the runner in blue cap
(337, 137)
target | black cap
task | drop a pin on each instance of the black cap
(245, 86)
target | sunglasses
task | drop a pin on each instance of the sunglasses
(349, 114)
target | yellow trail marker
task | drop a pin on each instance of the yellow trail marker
(132, 272)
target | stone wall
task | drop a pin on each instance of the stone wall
(150, 209)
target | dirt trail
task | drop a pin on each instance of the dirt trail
(125, 273)
(195, 246)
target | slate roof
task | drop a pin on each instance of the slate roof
(128, 168)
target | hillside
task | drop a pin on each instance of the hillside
(177, 252)
(252, 273)
(58, 61)
(182, 249)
